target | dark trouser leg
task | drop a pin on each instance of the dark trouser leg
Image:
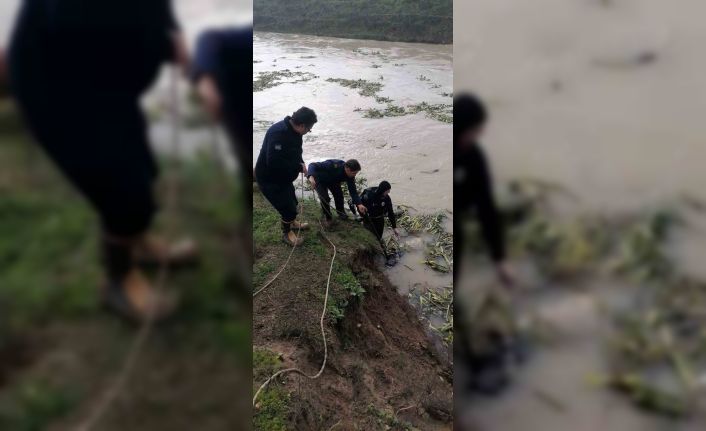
(338, 199)
(283, 199)
(116, 257)
(325, 200)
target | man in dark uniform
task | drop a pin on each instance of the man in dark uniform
(77, 71)
(278, 165)
(222, 70)
(474, 184)
(328, 176)
(378, 204)
(473, 188)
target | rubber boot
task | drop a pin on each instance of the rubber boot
(153, 250)
(289, 237)
(127, 292)
(299, 225)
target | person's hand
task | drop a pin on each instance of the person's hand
(181, 53)
(505, 274)
(312, 181)
(361, 209)
(303, 168)
(210, 96)
(3, 71)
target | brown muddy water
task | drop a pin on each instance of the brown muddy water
(412, 152)
(605, 97)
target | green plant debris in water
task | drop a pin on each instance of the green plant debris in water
(365, 88)
(439, 112)
(267, 80)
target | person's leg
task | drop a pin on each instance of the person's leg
(379, 224)
(283, 199)
(338, 200)
(325, 200)
(107, 158)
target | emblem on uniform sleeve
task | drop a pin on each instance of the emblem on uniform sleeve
(278, 146)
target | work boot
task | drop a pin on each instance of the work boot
(299, 225)
(153, 250)
(343, 216)
(127, 292)
(327, 223)
(292, 239)
(135, 299)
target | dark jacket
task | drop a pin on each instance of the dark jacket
(378, 205)
(280, 157)
(226, 55)
(474, 189)
(332, 173)
(78, 47)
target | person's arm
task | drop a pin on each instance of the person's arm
(203, 71)
(488, 215)
(353, 191)
(312, 174)
(391, 215)
(3, 73)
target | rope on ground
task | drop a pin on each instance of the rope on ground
(321, 322)
(111, 394)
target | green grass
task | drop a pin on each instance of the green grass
(50, 273)
(273, 403)
(34, 405)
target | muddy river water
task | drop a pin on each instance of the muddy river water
(605, 97)
(412, 152)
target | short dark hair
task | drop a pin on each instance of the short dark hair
(305, 116)
(353, 165)
(383, 186)
(469, 113)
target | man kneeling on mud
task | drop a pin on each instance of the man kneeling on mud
(329, 175)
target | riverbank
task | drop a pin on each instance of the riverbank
(376, 342)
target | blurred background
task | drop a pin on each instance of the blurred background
(60, 354)
(596, 142)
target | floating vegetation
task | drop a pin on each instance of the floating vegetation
(381, 99)
(439, 252)
(365, 88)
(447, 94)
(257, 61)
(308, 56)
(423, 78)
(390, 111)
(439, 112)
(376, 66)
(267, 80)
(659, 346)
(438, 302)
(657, 349)
(641, 254)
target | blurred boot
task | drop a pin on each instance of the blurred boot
(153, 250)
(127, 292)
(289, 237)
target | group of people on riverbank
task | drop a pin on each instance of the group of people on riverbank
(280, 162)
